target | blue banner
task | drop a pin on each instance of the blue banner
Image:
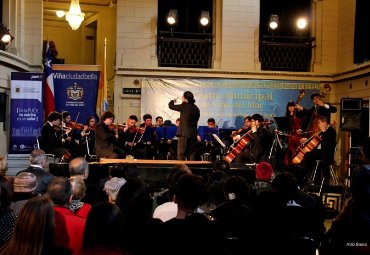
(228, 101)
(75, 89)
(26, 112)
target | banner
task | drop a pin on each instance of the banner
(76, 90)
(226, 100)
(49, 102)
(26, 111)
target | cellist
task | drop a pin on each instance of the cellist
(312, 115)
(260, 138)
(324, 151)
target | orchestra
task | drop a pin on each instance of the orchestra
(303, 139)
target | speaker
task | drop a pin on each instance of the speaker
(350, 114)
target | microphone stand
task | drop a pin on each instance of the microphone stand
(273, 150)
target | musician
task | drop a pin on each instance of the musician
(209, 145)
(50, 141)
(294, 120)
(129, 136)
(72, 140)
(105, 138)
(257, 150)
(247, 126)
(159, 121)
(312, 115)
(187, 131)
(88, 135)
(324, 151)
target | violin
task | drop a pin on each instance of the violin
(74, 125)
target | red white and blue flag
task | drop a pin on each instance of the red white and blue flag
(49, 102)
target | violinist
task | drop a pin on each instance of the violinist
(105, 138)
(126, 138)
(257, 150)
(49, 140)
(312, 115)
(88, 134)
(71, 142)
(294, 119)
(145, 149)
(159, 121)
(324, 151)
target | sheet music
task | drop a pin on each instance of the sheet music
(219, 140)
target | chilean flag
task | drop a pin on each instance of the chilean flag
(49, 102)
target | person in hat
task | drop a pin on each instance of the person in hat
(112, 186)
(24, 188)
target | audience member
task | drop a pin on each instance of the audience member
(78, 192)
(167, 209)
(34, 230)
(24, 188)
(103, 231)
(38, 160)
(264, 175)
(112, 186)
(69, 227)
(7, 217)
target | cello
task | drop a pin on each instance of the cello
(308, 146)
(243, 141)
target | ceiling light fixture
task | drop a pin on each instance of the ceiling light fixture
(60, 14)
(74, 16)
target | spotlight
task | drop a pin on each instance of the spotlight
(5, 35)
(204, 19)
(172, 17)
(301, 23)
(274, 21)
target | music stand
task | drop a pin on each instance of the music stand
(148, 133)
(282, 124)
(206, 132)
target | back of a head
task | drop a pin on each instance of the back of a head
(25, 182)
(34, 227)
(221, 165)
(190, 191)
(104, 226)
(189, 96)
(286, 185)
(264, 171)
(78, 187)
(6, 193)
(60, 190)
(112, 187)
(37, 156)
(79, 166)
(237, 188)
(135, 201)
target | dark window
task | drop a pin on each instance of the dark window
(362, 32)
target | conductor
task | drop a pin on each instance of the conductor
(187, 131)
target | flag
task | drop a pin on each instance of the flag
(102, 98)
(49, 103)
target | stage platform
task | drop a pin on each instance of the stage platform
(153, 172)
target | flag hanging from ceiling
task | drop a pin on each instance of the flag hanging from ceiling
(102, 98)
(49, 101)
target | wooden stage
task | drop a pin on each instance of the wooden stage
(153, 172)
(150, 161)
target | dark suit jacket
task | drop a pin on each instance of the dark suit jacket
(49, 139)
(189, 116)
(328, 144)
(104, 140)
(260, 144)
(42, 176)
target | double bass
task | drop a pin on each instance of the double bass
(294, 138)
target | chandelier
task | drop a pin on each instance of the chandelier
(74, 16)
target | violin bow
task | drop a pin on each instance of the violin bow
(78, 114)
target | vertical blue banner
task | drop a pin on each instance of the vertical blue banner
(75, 89)
(26, 112)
